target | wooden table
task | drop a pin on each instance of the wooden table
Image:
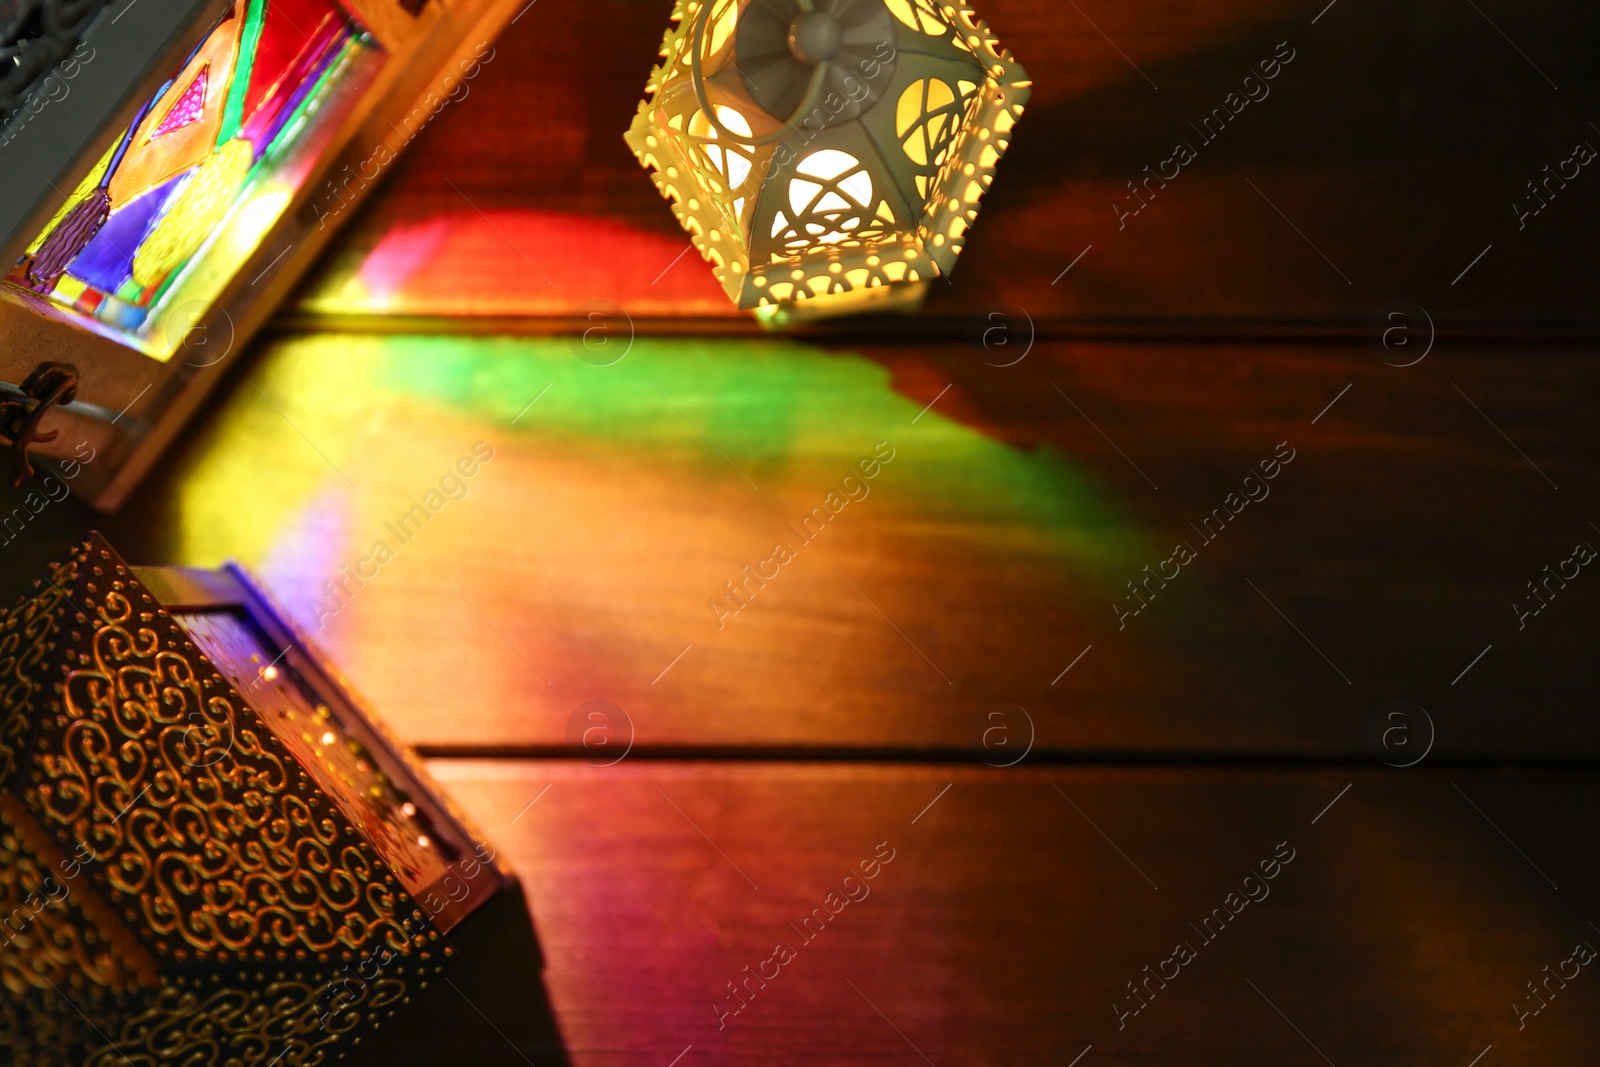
(1346, 666)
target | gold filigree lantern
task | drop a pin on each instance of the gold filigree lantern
(827, 156)
(209, 853)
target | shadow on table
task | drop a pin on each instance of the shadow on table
(488, 1009)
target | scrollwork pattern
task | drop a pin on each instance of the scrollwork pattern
(185, 814)
(45, 938)
(215, 844)
(281, 1021)
(27, 637)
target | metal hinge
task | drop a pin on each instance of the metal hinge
(50, 385)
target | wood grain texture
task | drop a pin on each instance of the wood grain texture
(570, 595)
(1019, 904)
(1376, 166)
(590, 559)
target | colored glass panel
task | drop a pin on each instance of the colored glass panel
(186, 112)
(186, 195)
(287, 28)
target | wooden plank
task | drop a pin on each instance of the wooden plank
(1377, 165)
(1017, 908)
(985, 570)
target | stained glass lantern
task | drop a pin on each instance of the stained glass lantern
(827, 156)
(168, 169)
(209, 852)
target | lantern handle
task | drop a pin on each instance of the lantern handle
(698, 80)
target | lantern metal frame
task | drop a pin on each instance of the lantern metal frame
(829, 210)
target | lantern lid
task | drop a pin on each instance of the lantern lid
(781, 43)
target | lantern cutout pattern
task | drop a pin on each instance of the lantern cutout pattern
(827, 156)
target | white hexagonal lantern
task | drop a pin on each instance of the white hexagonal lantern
(827, 156)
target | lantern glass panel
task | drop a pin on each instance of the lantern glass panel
(185, 195)
(167, 183)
